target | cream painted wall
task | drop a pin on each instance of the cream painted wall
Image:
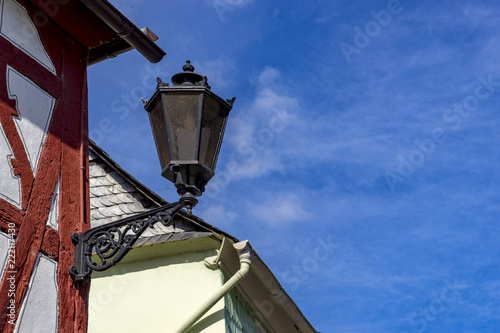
(156, 290)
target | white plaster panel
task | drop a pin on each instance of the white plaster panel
(18, 28)
(39, 311)
(54, 208)
(10, 185)
(4, 251)
(35, 107)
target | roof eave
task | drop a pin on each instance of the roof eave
(131, 37)
(261, 278)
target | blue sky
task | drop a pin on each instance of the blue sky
(360, 159)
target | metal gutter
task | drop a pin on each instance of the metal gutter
(244, 254)
(126, 30)
(262, 289)
(261, 286)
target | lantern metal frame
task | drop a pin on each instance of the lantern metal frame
(109, 243)
(163, 109)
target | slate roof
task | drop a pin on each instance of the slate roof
(114, 193)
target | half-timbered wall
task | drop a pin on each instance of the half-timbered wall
(43, 172)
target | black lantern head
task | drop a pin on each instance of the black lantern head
(188, 122)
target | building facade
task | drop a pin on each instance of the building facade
(45, 48)
(174, 271)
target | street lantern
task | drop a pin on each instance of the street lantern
(188, 122)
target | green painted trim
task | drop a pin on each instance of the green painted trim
(239, 315)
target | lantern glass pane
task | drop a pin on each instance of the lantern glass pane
(182, 109)
(212, 129)
(157, 120)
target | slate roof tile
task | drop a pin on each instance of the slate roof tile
(114, 199)
(137, 207)
(93, 190)
(106, 212)
(164, 238)
(160, 228)
(123, 188)
(148, 233)
(114, 178)
(95, 170)
(126, 198)
(93, 182)
(95, 215)
(103, 181)
(117, 211)
(95, 203)
(105, 201)
(125, 209)
(140, 242)
(152, 240)
(99, 191)
(114, 218)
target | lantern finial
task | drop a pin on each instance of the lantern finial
(188, 77)
(188, 67)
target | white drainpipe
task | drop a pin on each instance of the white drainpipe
(244, 254)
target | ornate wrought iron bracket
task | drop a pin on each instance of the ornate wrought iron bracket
(112, 241)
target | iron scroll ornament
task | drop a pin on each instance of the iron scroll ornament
(112, 241)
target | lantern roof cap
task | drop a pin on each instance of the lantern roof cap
(186, 81)
(188, 77)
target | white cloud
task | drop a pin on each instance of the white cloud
(218, 215)
(279, 210)
(236, 3)
(268, 76)
(224, 6)
(478, 14)
(218, 71)
(255, 133)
